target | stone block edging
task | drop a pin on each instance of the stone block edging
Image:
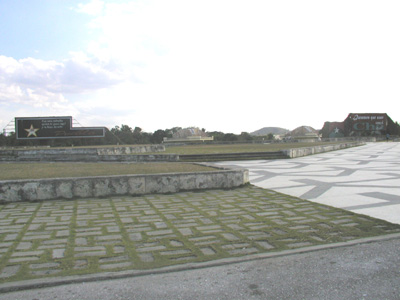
(119, 185)
(299, 152)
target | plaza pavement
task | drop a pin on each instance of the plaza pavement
(52, 243)
(364, 180)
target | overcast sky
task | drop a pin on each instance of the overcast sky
(222, 65)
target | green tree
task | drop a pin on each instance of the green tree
(245, 137)
(230, 137)
(124, 134)
(159, 135)
(140, 137)
(3, 140)
(218, 135)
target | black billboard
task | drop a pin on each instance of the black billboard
(53, 128)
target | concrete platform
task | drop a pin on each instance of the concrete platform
(364, 180)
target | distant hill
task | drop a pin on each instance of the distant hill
(268, 130)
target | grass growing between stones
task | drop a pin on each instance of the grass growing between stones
(14, 171)
(87, 236)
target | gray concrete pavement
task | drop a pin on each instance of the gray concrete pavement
(364, 180)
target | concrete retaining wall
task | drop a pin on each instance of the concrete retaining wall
(298, 152)
(105, 186)
(131, 153)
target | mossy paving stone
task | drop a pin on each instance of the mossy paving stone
(87, 236)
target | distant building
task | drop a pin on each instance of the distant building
(191, 134)
(304, 133)
(364, 124)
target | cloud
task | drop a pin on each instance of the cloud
(41, 82)
(265, 62)
(94, 7)
(160, 64)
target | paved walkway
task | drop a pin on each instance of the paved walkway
(56, 241)
(367, 271)
(364, 180)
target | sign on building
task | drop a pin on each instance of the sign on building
(53, 128)
(368, 122)
(362, 124)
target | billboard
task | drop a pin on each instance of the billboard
(367, 122)
(363, 124)
(53, 128)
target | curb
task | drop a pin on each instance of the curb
(52, 282)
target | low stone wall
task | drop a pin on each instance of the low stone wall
(130, 149)
(105, 186)
(131, 153)
(299, 152)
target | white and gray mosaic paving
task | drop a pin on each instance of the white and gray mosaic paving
(364, 180)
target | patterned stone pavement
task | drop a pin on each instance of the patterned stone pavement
(53, 239)
(364, 180)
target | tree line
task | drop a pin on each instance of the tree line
(126, 135)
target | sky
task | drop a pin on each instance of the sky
(222, 65)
